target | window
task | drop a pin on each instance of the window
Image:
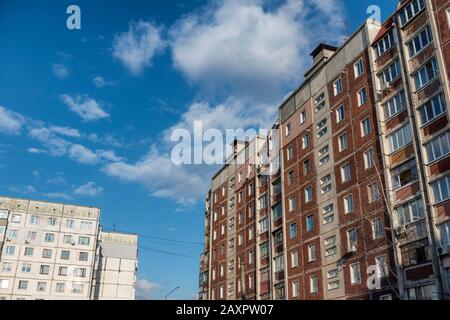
(79, 272)
(416, 253)
(313, 284)
(386, 43)
(291, 177)
(309, 223)
(65, 255)
(214, 234)
(86, 225)
(351, 240)
(420, 41)
(10, 250)
(340, 114)
(305, 141)
(290, 153)
(441, 189)
(324, 129)
(295, 288)
(277, 211)
(67, 239)
(404, 174)
(312, 253)
(326, 189)
(70, 223)
(62, 271)
(84, 241)
(29, 251)
(240, 240)
(34, 220)
(330, 241)
(52, 221)
(390, 73)
(49, 237)
(377, 228)
(432, 109)
(264, 249)
(373, 192)
(77, 288)
(45, 269)
(307, 167)
(41, 286)
(444, 230)
(400, 138)
(382, 266)
(337, 87)
(438, 147)
(345, 173)
(410, 11)
(302, 116)
(343, 142)
(410, 212)
(31, 235)
(448, 17)
(366, 127)
(324, 150)
(263, 225)
(279, 264)
(293, 231)
(308, 194)
(355, 273)
(324, 160)
(348, 204)
(358, 68)
(294, 259)
(291, 204)
(330, 251)
(47, 253)
(60, 287)
(426, 74)
(427, 292)
(13, 233)
(23, 285)
(334, 273)
(26, 268)
(369, 159)
(362, 97)
(395, 105)
(16, 218)
(3, 214)
(288, 129)
(6, 267)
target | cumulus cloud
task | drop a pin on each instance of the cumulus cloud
(100, 82)
(162, 177)
(36, 151)
(136, 47)
(245, 49)
(145, 289)
(60, 71)
(88, 189)
(86, 107)
(10, 122)
(58, 195)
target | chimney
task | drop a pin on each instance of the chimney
(322, 53)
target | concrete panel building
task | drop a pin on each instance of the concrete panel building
(49, 250)
(360, 207)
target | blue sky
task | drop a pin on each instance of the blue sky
(86, 115)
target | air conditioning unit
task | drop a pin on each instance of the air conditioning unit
(27, 241)
(8, 239)
(400, 231)
(72, 243)
(441, 251)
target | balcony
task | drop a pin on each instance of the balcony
(411, 232)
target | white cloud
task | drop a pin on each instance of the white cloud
(162, 177)
(87, 108)
(100, 82)
(145, 289)
(60, 71)
(36, 151)
(58, 195)
(23, 189)
(10, 122)
(136, 47)
(82, 154)
(245, 49)
(88, 190)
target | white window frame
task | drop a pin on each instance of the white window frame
(337, 86)
(358, 68)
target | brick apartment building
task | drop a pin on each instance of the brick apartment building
(363, 185)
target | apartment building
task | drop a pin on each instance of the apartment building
(49, 250)
(359, 208)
